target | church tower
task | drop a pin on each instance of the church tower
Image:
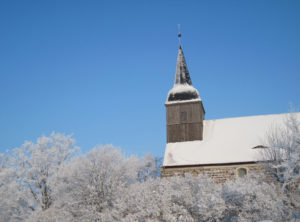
(185, 111)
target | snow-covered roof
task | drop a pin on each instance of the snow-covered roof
(225, 141)
(183, 89)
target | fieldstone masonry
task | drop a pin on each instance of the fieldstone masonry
(219, 173)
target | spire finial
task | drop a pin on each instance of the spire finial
(179, 34)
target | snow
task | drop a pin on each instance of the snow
(182, 101)
(43, 181)
(228, 140)
(181, 88)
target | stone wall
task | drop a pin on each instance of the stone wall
(220, 173)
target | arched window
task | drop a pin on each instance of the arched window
(242, 172)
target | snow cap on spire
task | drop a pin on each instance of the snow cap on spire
(183, 89)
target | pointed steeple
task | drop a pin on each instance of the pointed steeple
(183, 89)
(185, 111)
(182, 75)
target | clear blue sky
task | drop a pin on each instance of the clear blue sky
(102, 69)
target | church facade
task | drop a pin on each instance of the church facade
(222, 149)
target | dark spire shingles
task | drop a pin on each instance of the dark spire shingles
(182, 75)
(182, 81)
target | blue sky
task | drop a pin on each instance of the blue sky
(101, 70)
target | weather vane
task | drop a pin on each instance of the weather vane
(179, 34)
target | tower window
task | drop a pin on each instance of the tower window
(242, 172)
(183, 116)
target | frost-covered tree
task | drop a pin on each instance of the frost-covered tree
(200, 199)
(283, 150)
(251, 198)
(32, 170)
(172, 199)
(91, 185)
(43, 181)
(283, 157)
(148, 167)
(12, 204)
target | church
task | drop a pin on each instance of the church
(223, 148)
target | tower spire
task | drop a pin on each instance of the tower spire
(185, 111)
(182, 75)
(183, 89)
